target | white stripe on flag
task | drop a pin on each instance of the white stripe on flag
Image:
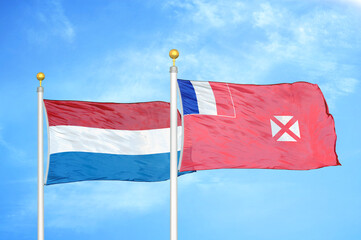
(97, 140)
(205, 98)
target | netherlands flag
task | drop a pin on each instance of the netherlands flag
(108, 141)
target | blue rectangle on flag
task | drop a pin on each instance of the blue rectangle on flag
(84, 166)
(189, 97)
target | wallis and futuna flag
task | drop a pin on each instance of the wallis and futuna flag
(108, 141)
(281, 126)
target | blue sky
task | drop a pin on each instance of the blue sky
(118, 51)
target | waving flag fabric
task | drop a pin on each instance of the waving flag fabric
(108, 141)
(282, 126)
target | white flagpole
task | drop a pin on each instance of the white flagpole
(173, 148)
(40, 76)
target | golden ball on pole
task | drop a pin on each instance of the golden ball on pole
(40, 76)
(173, 53)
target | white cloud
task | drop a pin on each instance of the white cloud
(314, 44)
(211, 13)
(348, 85)
(335, 88)
(306, 41)
(267, 16)
(352, 2)
(135, 75)
(52, 22)
(123, 75)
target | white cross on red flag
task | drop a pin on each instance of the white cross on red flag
(285, 128)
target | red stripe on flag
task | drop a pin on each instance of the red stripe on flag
(223, 98)
(121, 116)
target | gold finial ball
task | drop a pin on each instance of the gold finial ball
(40, 76)
(173, 53)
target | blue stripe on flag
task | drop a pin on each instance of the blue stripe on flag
(81, 166)
(189, 97)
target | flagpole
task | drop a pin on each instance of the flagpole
(173, 148)
(40, 76)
